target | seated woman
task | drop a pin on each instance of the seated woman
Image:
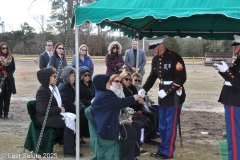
(136, 79)
(67, 92)
(47, 77)
(87, 93)
(87, 90)
(106, 108)
(130, 90)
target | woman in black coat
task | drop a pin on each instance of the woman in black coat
(46, 77)
(55, 59)
(67, 92)
(7, 83)
(130, 90)
(87, 90)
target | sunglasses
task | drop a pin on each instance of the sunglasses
(85, 75)
(115, 48)
(61, 48)
(3, 48)
(137, 80)
(117, 81)
(54, 76)
(128, 79)
(49, 45)
(83, 50)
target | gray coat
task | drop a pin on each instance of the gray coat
(130, 59)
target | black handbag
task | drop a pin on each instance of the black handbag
(143, 121)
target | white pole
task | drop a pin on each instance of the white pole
(137, 53)
(144, 44)
(77, 93)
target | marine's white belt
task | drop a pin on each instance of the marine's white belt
(165, 82)
(227, 83)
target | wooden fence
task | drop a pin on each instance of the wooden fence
(34, 58)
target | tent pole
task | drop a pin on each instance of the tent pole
(77, 93)
(144, 44)
(137, 52)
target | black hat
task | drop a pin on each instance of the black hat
(154, 42)
(236, 40)
(83, 70)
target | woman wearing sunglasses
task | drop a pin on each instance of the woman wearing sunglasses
(114, 59)
(87, 93)
(116, 87)
(7, 83)
(106, 108)
(84, 58)
(58, 53)
(136, 79)
(130, 90)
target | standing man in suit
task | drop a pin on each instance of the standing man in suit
(131, 56)
(45, 56)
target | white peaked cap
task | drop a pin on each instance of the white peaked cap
(236, 40)
(154, 42)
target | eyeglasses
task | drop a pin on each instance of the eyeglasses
(83, 50)
(49, 45)
(85, 75)
(117, 81)
(54, 76)
(137, 80)
(128, 79)
(3, 48)
(115, 48)
(61, 48)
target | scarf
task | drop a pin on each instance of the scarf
(5, 61)
(68, 117)
(119, 93)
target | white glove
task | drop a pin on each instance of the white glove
(142, 93)
(161, 93)
(221, 68)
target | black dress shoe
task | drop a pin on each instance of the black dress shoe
(156, 154)
(82, 142)
(7, 117)
(163, 156)
(72, 155)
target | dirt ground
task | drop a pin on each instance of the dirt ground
(201, 113)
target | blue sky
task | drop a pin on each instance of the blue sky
(15, 12)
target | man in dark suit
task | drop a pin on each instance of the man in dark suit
(131, 56)
(45, 56)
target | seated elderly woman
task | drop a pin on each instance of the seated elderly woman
(106, 108)
(67, 92)
(47, 78)
(136, 79)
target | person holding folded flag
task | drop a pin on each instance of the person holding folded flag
(169, 68)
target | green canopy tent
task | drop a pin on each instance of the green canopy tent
(209, 19)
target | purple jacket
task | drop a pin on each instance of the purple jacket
(114, 63)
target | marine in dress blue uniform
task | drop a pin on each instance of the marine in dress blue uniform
(230, 98)
(169, 68)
